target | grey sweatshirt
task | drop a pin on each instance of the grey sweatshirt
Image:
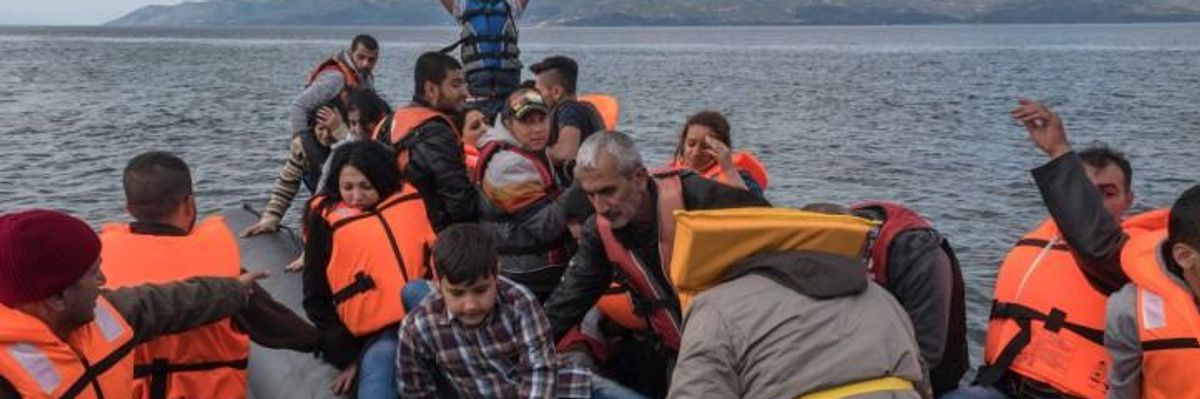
(326, 86)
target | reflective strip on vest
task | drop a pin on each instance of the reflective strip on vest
(1153, 314)
(109, 326)
(37, 365)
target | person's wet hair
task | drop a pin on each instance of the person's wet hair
(432, 67)
(371, 108)
(368, 156)
(364, 41)
(711, 119)
(1101, 156)
(563, 70)
(1183, 226)
(529, 84)
(156, 183)
(465, 253)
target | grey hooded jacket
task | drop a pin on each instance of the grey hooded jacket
(792, 323)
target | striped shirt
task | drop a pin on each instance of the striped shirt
(511, 355)
(288, 182)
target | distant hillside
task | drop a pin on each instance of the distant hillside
(671, 12)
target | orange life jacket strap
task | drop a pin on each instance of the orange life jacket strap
(362, 283)
(1023, 315)
(160, 372)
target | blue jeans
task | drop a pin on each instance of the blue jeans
(975, 392)
(377, 368)
(414, 292)
(603, 388)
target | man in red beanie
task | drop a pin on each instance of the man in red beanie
(61, 335)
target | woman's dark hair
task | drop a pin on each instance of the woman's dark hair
(372, 159)
(460, 118)
(708, 118)
(371, 108)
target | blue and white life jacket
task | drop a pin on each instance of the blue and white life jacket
(488, 48)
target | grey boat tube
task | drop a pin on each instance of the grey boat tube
(278, 374)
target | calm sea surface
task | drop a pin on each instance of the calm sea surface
(914, 114)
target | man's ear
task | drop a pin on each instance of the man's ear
(559, 92)
(641, 173)
(1186, 256)
(429, 89)
(56, 302)
(189, 206)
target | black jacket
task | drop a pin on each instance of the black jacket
(924, 275)
(591, 273)
(339, 346)
(436, 169)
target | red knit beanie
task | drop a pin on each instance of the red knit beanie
(42, 253)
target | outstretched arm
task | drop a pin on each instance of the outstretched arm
(1073, 201)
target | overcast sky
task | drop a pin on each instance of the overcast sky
(68, 12)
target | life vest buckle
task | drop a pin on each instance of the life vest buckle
(1055, 320)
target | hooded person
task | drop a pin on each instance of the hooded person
(521, 191)
(798, 324)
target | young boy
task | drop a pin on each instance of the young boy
(479, 335)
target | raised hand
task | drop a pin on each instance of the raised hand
(1044, 126)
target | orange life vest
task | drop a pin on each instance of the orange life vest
(1168, 321)
(606, 106)
(399, 131)
(617, 306)
(374, 253)
(744, 161)
(661, 320)
(206, 362)
(335, 64)
(1047, 321)
(471, 158)
(94, 363)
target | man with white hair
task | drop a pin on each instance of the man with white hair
(630, 237)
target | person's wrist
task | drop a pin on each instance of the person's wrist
(1059, 151)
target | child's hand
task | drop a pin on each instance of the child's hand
(344, 380)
